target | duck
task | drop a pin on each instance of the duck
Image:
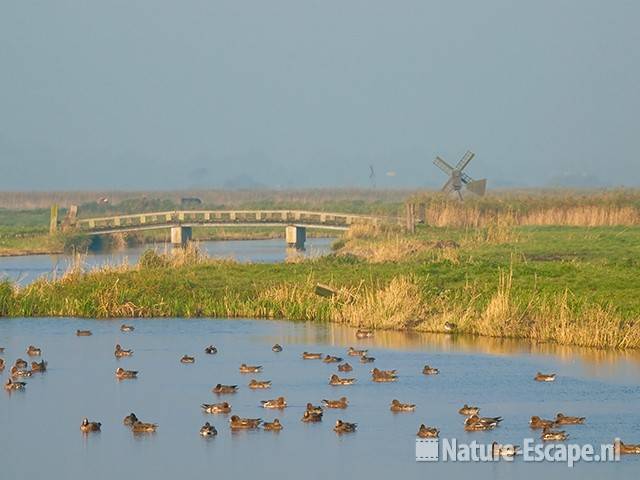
(143, 427)
(244, 368)
(273, 426)
(450, 327)
(626, 448)
(39, 366)
(187, 359)
(336, 380)
(378, 375)
(332, 359)
(474, 422)
(468, 411)
(210, 350)
(86, 426)
(12, 385)
(257, 384)
(1, 364)
(427, 370)
(498, 450)
(208, 430)
(277, 348)
(352, 352)
(311, 356)
(364, 333)
(130, 419)
(396, 406)
(16, 372)
(537, 423)
(345, 367)
(121, 373)
(562, 419)
(342, 402)
(235, 422)
(549, 435)
(427, 432)
(545, 377)
(33, 351)
(219, 388)
(311, 417)
(279, 402)
(127, 328)
(83, 333)
(364, 358)
(344, 427)
(120, 352)
(222, 407)
(314, 409)
(20, 363)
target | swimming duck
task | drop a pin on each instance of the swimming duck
(378, 375)
(83, 333)
(311, 356)
(210, 350)
(427, 370)
(468, 411)
(498, 450)
(626, 448)
(331, 359)
(549, 435)
(427, 432)
(121, 373)
(450, 327)
(33, 351)
(219, 388)
(344, 427)
(276, 348)
(256, 384)
(364, 333)
(130, 419)
(208, 430)
(16, 372)
(543, 377)
(121, 352)
(223, 407)
(11, 385)
(235, 422)
(274, 426)
(1, 364)
(279, 402)
(187, 359)
(345, 367)
(396, 406)
(86, 426)
(314, 409)
(39, 366)
(244, 368)
(562, 419)
(474, 422)
(127, 328)
(20, 363)
(352, 352)
(537, 423)
(340, 403)
(142, 427)
(366, 359)
(336, 380)
(311, 417)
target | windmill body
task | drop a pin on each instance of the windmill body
(458, 179)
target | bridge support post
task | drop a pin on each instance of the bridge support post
(180, 236)
(296, 236)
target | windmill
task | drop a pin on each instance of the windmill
(458, 179)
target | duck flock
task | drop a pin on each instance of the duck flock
(473, 421)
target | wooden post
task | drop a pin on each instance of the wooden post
(410, 214)
(53, 219)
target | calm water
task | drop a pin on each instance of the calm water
(25, 269)
(39, 428)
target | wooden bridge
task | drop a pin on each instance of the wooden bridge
(181, 222)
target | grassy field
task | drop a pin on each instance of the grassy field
(570, 285)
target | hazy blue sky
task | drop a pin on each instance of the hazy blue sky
(172, 94)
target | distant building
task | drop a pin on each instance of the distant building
(190, 201)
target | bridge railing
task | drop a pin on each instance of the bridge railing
(212, 217)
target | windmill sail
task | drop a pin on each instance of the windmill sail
(442, 165)
(464, 161)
